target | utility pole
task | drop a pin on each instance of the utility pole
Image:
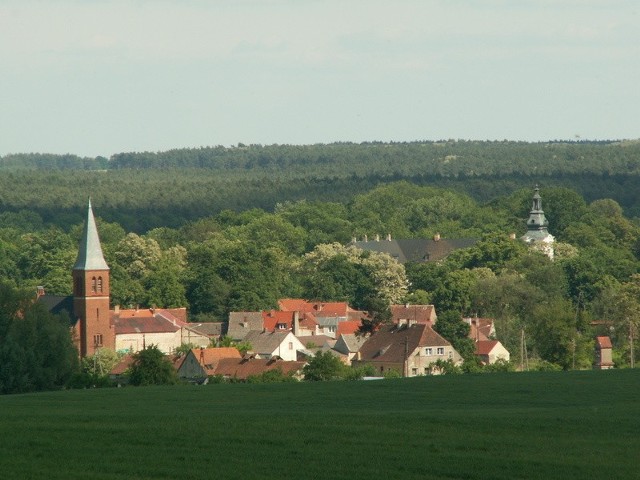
(631, 355)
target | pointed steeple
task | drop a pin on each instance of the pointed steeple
(537, 221)
(537, 234)
(90, 252)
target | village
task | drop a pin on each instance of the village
(285, 339)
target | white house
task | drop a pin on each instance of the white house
(283, 344)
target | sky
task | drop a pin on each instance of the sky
(97, 77)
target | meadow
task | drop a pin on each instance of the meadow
(493, 426)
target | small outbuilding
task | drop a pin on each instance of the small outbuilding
(604, 350)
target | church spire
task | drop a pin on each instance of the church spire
(537, 221)
(90, 252)
(537, 234)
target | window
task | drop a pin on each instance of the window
(426, 370)
(93, 285)
(97, 340)
(100, 284)
(282, 326)
(428, 351)
(414, 371)
(440, 350)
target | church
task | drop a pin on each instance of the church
(95, 326)
(537, 236)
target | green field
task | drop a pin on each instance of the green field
(581, 425)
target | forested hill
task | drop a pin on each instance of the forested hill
(146, 190)
(443, 158)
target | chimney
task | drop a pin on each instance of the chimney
(377, 237)
(296, 323)
(202, 356)
(366, 239)
(116, 309)
(39, 291)
(436, 237)
(512, 236)
(353, 240)
(388, 237)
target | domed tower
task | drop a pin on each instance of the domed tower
(91, 292)
(537, 235)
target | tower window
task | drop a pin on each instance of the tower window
(100, 284)
(97, 340)
(93, 285)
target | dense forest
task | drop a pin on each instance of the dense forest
(223, 229)
(141, 191)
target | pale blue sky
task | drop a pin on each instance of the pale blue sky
(102, 77)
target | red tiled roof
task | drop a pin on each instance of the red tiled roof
(417, 313)
(348, 327)
(209, 358)
(484, 347)
(604, 342)
(272, 318)
(308, 322)
(327, 309)
(245, 367)
(122, 366)
(145, 321)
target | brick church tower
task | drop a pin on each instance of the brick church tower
(91, 293)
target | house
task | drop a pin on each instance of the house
(604, 349)
(410, 350)
(481, 328)
(410, 314)
(200, 363)
(415, 249)
(271, 344)
(349, 344)
(322, 318)
(490, 351)
(301, 317)
(136, 329)
(250, 365)
(213, 331)
(241, 323)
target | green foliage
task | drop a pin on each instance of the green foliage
(452, 328)
(391, 373)
(36, 351)
(447, 367)
(242, 346)
(500, 365)
(151, 367)
(358, 373)
(324, 366)
(100, 363)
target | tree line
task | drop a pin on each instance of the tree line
(144, 190)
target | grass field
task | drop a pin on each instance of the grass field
(578, 425)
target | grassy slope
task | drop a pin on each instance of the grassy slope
(502, 426)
